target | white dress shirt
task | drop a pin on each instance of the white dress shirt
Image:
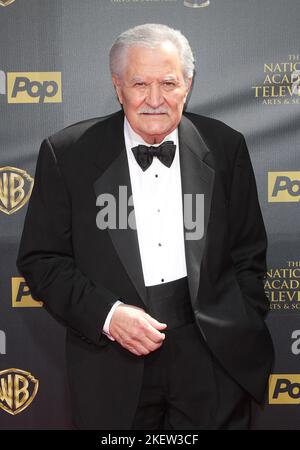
(157, 200)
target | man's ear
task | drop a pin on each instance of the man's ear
(117, 85)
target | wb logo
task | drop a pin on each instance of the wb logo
(284, 186)
(2, 343)
(31, 87)
(18, 388)
(15, 189)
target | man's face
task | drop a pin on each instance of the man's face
(152, 90)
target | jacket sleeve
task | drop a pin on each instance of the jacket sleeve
(45, 256)
(248, 239)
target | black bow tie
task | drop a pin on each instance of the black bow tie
(165, 152)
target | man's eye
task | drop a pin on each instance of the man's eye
(139, 84)
(169, 83)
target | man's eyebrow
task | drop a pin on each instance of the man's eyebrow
(136, 79)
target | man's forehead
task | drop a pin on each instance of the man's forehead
(138, 64)
(147, 55)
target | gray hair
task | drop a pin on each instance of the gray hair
(150, 35)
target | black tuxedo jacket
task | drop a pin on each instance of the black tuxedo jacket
(79, 271)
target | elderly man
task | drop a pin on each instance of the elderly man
(165, 323)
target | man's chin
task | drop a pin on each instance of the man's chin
(155, 125)
(155, 131)
(155, 121)
(153, 136)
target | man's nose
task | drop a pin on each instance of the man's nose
(154, 96)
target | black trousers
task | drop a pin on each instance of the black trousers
(184, 386)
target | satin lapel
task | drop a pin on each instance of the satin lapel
(116, 175)
(196, 178)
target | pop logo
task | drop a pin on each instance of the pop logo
(284, 389)
(284, 186)
(31, 87)
(21, 295)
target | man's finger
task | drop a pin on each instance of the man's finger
(153, 334)
(150, 344)
(155, 323)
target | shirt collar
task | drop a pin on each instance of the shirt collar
(135, 139)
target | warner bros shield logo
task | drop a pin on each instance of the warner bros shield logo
(17, 390)
(15, 189)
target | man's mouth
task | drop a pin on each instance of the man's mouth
(153, 114)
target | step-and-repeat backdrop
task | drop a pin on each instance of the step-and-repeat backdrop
(54, 71)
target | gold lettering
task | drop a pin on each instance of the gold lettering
(284, 272)
(267, 80)
(6, 391)
(21, 393)
(4, 189)
(257, 90)
(281, 67)
(16, 189)
(268, 68)
(282, 90)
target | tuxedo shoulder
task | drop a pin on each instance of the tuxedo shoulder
(222, 140)
(70, 135)
(214, 128)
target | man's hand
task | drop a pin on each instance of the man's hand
(135, 330)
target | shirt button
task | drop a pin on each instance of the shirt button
(162, 279)
(156, 175)
(159, 244)
(158, 210)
